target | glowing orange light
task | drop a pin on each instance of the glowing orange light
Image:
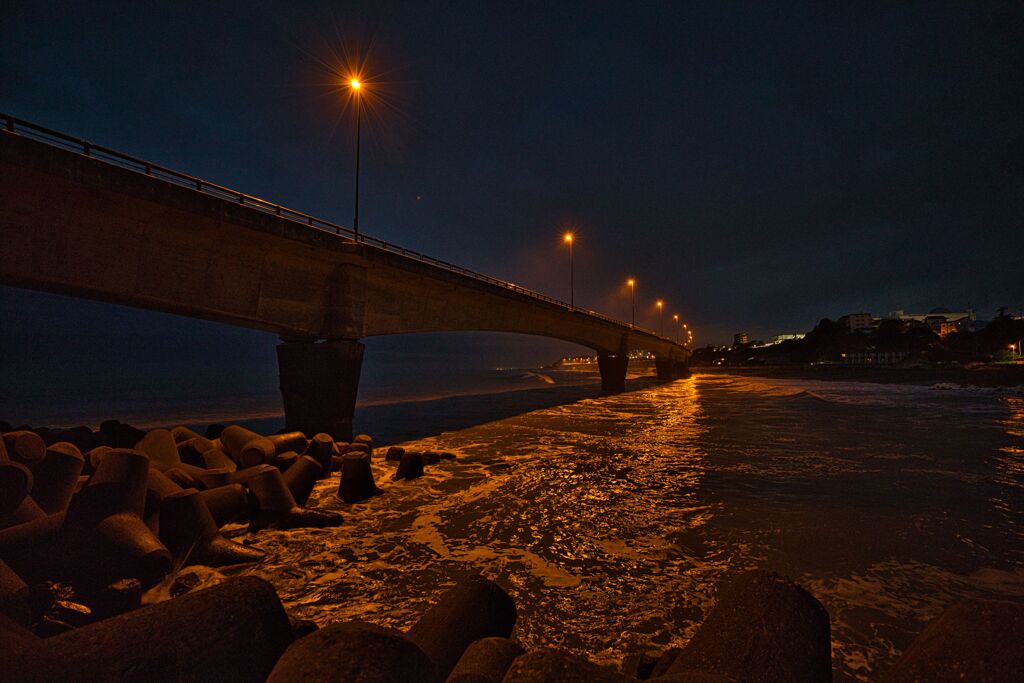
(630, 282)
(660, 304)
(355, 84)
(568, 237)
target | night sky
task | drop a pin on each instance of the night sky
(757, 165)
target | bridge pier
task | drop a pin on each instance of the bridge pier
(613, 372)
(319, 381)
(670, 368)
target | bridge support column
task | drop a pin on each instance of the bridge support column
(613, 372)
(319, 381)
(665, 368)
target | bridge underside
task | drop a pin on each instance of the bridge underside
(77, 226)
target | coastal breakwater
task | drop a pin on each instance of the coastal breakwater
(81, 551)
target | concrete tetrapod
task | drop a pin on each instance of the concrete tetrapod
(25, 447)
(301, 478)
(246, 447)
(289, 441)
(321, 447)
(14, 596)
(117, 485)
(472, 609)
(15, 483)
(486, 661)
(159, 445)
(234, 631)
(56, 476)
(188, 530)
(410, 466)
(216, 458)
(555, 666)
(764, 628)
(356, 652)
(226, 503)
(356, 481)
(974, 640)
(274, 506)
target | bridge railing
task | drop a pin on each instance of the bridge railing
(33, 131)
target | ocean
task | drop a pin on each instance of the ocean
(611, 519)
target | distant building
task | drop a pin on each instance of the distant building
(941, 321)
(856, 322)
(740, 339)
(875, 357)
(778, 339)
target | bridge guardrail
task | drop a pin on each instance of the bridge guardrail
(33, 131)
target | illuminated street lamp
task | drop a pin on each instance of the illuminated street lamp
(679, 329)
(661, 314)
(632, 290)
(572, 289)
(356, 86)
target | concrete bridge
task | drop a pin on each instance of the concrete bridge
(87, 221)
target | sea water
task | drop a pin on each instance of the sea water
(612, 519)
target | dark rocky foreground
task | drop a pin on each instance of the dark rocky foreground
(93, 521)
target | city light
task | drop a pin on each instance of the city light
(632, 291)
(356, 86)
(661, 314)
(572, 286)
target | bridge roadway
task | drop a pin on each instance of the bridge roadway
(86, 221)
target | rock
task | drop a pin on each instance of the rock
(974, 640)
(472, 609)
(159, 445)
(301, 477)
(234, 631)
(394, 454)
(289, 441)
(25, 447)
(60, 609)
(56, 476)
(353, 651)
(14, 596)
(764, 628)
(356, 481)
(246, 447)
(664, 662)
(410, 467)
(431, 457)
(448, 455)
(486, 661)
(276, 507)
(191, 535)
(302, 627)
(364, 438)
(691, 676)
(555, 666)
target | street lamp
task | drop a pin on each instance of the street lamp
(632, 291)
(661, 314)
(679, 330)
(356, 86)
(572, 289)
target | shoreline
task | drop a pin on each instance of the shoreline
(985, 376)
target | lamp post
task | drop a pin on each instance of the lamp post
(572, 288)
(632, 292)
(679, 328)
(661, 315)
(356, 87)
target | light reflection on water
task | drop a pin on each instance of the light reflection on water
(611, 520)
